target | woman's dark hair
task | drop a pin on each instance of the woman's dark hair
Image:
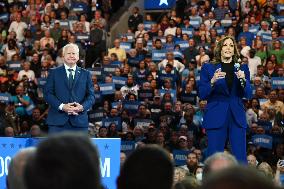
(258, 106)
(218, 48)
(12, 44)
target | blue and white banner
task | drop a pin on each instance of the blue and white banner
(119, 81)
(159, 4)
(127, 147)
(158, 55)
(254, 29)
(280, 20)
(107, 88)
(41, 82)
(145, 94)
(220, 30)
(109, 68)
(82, 37)
(130, 37)
(180, 157)
(266, 37)
(178, 54)
(126, 46)
(183, 44)
(226, 23)
(148, 24)
(264, 141)
(14, 65)
(4, 17)
(117, 120)
(277, 82)
(98, 97)
(109, 150)
(65, 24)
(188, 31)
(195, 23)
(280, 7)
(131, 106)
(96, 115)
(144, 123)
(5, 98)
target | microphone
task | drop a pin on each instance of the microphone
(242, 80)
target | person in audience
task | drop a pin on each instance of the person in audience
(15, 178)
(65, 158)
(147, 167)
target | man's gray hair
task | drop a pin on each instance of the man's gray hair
(218, 156)
(70, 45)
(15, 178)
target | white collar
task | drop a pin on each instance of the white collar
(67, 67)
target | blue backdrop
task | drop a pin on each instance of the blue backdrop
(159, 4)
(109, 150)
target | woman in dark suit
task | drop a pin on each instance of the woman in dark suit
(223, 83)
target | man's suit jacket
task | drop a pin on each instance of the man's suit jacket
(220, 100)
(56, 91)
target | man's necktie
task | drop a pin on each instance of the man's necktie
(70, 78)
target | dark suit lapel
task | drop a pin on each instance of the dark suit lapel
(64, 75)
(77, 75)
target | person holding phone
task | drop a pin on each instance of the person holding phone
(223, 83)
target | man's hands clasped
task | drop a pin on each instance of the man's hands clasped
(73, 108)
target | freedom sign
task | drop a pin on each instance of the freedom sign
(109, 150)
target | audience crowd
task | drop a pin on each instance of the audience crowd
(146, 84)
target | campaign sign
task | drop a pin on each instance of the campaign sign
(277, 82)
(264, 141)
(5, 98)
(147, 25)
(183, 44)
(64, 24)
(119, 81)
(220, 30)
(109, 150)
(178, 54)
(280, 7)
(107, 88)
(144, 123)
(226, 22)
(280, 20)
(41, 82)
(180, 157)
(4, 17)
(127, 147)
(158, 55)
(82, 37)
(267, 125)
(145, 94)
(109, 68)
(126, 46)
(195, 22)
(254, 29)
(266, 37)
(107, 121)
(131, 106)
(188, 31)
(159, 4)
(96, 115)
(14, 65)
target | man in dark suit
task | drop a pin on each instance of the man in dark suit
(70, 93)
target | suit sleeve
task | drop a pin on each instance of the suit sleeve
(205, 87)
(247, 88)
(49, 91)
(90, 93)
